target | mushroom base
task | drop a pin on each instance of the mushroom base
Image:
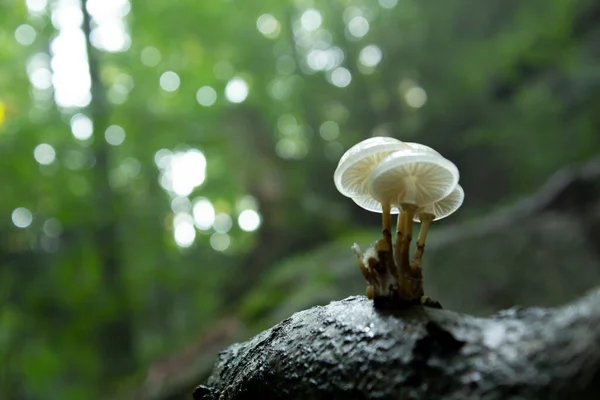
(392, 284)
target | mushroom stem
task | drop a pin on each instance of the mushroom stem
(407, 219)
(398, 243)
(426, 220)
(410, 283)
(409, 211)
(400, 227)
(387, 222)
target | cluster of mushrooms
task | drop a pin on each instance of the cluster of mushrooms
(387, 176)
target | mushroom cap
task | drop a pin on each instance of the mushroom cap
(352, 174)
(370, 204)
(419, 146)
(413, 176)
(444, 207)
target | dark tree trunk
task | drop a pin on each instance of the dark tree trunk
(115, 332)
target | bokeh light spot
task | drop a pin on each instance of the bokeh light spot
(311, 20)
(44, 154)
(111, 36)
(236, 90)
(249, 220)
(183, 230)
(206, 96)
(41, 78)
(388, 3)
(329, 130)
(370, 55)
(52, 227)
(220, 241)
(415, 97)
(285, 148)
(358, 26)
(36, 6)
(81, 126)
(114, 135)
(181, 204)
(150, 56)
(222, 223)
(341, 77)
(21, 217)
(204, 213)
(169, 81)
(25, 34)
(268, 25)
(182, 172)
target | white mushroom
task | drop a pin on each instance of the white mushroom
(387, 176)
(411, 179)
(352, 174)
(434, 212)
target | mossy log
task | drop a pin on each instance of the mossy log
(351, 350)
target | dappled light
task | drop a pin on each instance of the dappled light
(182, 171)
(70, 76)
(110, 33)
(204, 214)
(183, 229)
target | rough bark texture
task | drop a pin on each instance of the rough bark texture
(350, 350)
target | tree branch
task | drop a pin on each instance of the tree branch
(350, 350)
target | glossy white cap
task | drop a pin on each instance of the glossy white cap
(414, 177)
(352, 174)
(445, 207)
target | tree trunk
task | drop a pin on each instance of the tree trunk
(115, 332)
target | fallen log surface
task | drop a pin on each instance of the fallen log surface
(351, 350)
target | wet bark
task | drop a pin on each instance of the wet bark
(351, 350)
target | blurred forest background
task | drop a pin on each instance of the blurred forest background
(166, 169)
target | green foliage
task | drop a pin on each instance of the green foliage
(511, 94)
